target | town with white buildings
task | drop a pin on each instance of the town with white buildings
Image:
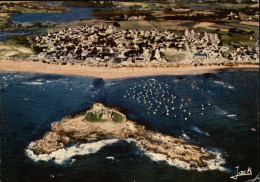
(102, 45)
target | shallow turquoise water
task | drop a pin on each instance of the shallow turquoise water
(228, 100)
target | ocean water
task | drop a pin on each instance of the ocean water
(75, 13)
(216, 111)
(5, 35)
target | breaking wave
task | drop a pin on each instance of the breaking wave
(213, 164)
(32, 83)
(224, 84)
(185, 136)
(18, 76)
(234, 116)
(153, 79)
(220, 111)
(110, 83)
(62, 155)
(198, 130)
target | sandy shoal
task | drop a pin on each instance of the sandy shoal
(106, 72)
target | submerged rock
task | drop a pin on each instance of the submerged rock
(79, 128)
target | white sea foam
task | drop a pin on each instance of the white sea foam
(62, 155)
(153, 79)
(73, 160)
(4, 85)
(212, 164)
(198, 130)
(224, 84)
(185, 136)
(220, 111)
(18, 76)
(231, 115)
(230, 87)
(219, 82)
(110, 158)
(32, 83)
(110, 84)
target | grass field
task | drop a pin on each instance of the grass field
(236, 25)
(5, 23)
(238, 39)
(174, 57)
(62, 26)
(145, 5)
(135, 24)
(231, 6)
(158, 13)
(227, 37)
(35, 7)
(203, 12)
(11, 50)
(176, 25)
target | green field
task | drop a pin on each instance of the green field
(236, 25)
(231, 6)
(238, 39)
(5, 23)
(175, 25)
(135, 24)
(62, 26)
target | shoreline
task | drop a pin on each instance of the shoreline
(108, 72)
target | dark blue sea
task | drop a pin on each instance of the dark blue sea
(75, 13)
(5, 35)
(216, 111)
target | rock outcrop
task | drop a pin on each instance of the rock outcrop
(75, 129)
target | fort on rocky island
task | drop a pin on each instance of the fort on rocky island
(101, 122)
(99, 113)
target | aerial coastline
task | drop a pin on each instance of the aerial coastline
(129, 91)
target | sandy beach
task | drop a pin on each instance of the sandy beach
(107, 72)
